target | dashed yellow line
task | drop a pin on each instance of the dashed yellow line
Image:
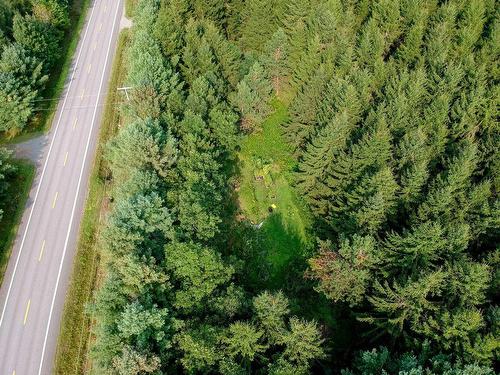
(88, 69)
(74, 124)
(100, 26)
(26, 313)
(83, 93)
(65, 159)
(95, 46)
(55, 199)
(41, 251)
(14, 372)
(105, 8)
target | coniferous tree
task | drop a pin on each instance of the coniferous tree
(274, 60)
(41, 39)
(252, 97)
(21, 79)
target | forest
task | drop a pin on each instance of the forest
(385, 113)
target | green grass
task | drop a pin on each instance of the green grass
(74, 337)
(129, 8)
(42, 119)
(266, 195)
(18, 191)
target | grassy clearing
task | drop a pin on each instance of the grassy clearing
(18, 191)
(74, 337)
(266, 197)
(43, 119)
(129, 8)
(276, 254)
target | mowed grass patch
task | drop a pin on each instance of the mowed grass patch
(18, 191)
(267, 198)
(129, 8)
(74, 337)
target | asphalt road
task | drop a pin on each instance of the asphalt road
(34, 288)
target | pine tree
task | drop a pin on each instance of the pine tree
(41, 39)
(214, 10)
(196, 273)
(274, 60)
(243, 342)
(303, 110)
(447, 192)
(252, 98)
(169, 26)
(54, 12)
(361, 187)
(140, 145)
(139, 225)
(416, 14)
(344, 274)
(424, 247)
(399, 307)
(319, 158)
(259, 20)
(200, 347)
(156, 86)
(271, 310)
(21, 78)
(303, 343)
(130, 361)
(471, 26)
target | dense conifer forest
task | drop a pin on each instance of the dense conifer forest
(389, 128)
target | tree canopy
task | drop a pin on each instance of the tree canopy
(392, 134)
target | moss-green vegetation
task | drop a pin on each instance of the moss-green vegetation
(18, 190)
(71, 356)
(129, 8)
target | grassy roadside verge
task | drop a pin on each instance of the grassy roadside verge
(18, 191)
(58, 76)
(129, 8)
(74, 336)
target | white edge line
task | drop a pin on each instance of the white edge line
(77, 192)
(43, 172)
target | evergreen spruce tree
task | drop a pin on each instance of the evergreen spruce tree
(274, 60)
(252, 98)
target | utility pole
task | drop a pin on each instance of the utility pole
(126, 90)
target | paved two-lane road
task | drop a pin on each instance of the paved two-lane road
(34, 287)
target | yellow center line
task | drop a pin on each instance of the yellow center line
(41, 251)
(74, 124)
(83, 93)
(90, 67)
(105, 8)
(65, 159)
(100, 26)
(55, 200)
(95, 46)
(27, 311)
(14, 372)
